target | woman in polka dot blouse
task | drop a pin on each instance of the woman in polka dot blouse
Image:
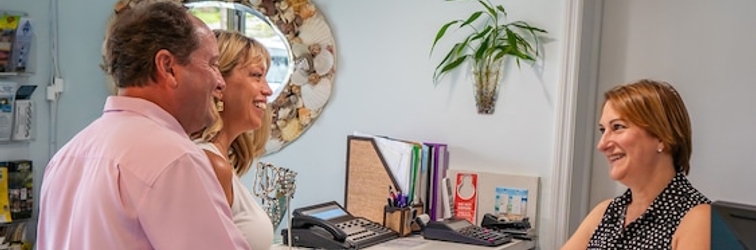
(646, 137)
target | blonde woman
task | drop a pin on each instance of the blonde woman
(230, 143)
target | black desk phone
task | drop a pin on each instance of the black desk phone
(519, 229)
(462, 231)
(330, 226)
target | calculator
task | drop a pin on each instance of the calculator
(462, 231)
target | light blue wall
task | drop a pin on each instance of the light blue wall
(80, 45)
(383, 86)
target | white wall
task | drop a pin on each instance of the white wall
(583, 146)
(705, 49)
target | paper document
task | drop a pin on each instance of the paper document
(398, 157)
(7, 94)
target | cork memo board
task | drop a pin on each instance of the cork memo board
(367, 179)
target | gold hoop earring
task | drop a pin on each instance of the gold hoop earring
(219, 105)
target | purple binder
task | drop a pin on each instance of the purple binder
(439, 165)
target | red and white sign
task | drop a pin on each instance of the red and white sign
(466, 198)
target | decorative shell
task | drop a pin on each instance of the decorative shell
(303, 64)
(315, 30)
(307, 11)
(299, 78)
(284, 112)
(315, 96)
(291, 130)
(314, 61)
(273, 145)
(323, 62)
(289, 14)
(304, 116)
(299, 49)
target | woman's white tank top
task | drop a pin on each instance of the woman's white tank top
(249, 217)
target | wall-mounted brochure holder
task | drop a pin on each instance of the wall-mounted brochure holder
(16, 34)
(16, 111)
(7, 101)
(367, 179)
(23, 119)
(16, 190)
(502, 194)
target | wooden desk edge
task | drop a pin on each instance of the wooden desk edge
(435, 245)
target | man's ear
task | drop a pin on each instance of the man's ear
(165, 63)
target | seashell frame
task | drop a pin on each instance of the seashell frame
(315, 58)
(305, 28)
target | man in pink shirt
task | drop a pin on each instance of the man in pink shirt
(133, 179)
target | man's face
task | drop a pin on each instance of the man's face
(199, 81)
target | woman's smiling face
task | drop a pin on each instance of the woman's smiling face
(628, 148)
(246, 95)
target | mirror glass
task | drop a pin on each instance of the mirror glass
(235, 16)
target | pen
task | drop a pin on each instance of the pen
(398, 200)
(402, 201)
(392, 197)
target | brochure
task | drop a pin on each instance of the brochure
(511, 202)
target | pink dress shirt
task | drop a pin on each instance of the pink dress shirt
(133, 180)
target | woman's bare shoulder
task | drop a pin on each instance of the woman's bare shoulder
(694, 231)
(579, 239)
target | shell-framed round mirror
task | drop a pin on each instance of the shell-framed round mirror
(303, 55)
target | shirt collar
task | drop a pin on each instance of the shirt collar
(670, 193)
(145, 108)
(670, 196)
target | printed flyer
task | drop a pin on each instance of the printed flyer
(466, 198)
(5, 211)
(7, 94)
(511, 202)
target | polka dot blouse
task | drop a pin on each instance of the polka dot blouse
(655, 227)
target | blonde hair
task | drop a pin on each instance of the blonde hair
(658, 109)
(238, 50)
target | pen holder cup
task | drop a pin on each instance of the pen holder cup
(400, 219)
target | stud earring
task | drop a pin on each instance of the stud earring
(219, 105)
(659, 150)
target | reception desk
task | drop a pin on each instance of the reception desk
(418, 243)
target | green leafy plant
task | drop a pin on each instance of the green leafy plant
(489, 42)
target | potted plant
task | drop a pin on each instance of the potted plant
(489, 43)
